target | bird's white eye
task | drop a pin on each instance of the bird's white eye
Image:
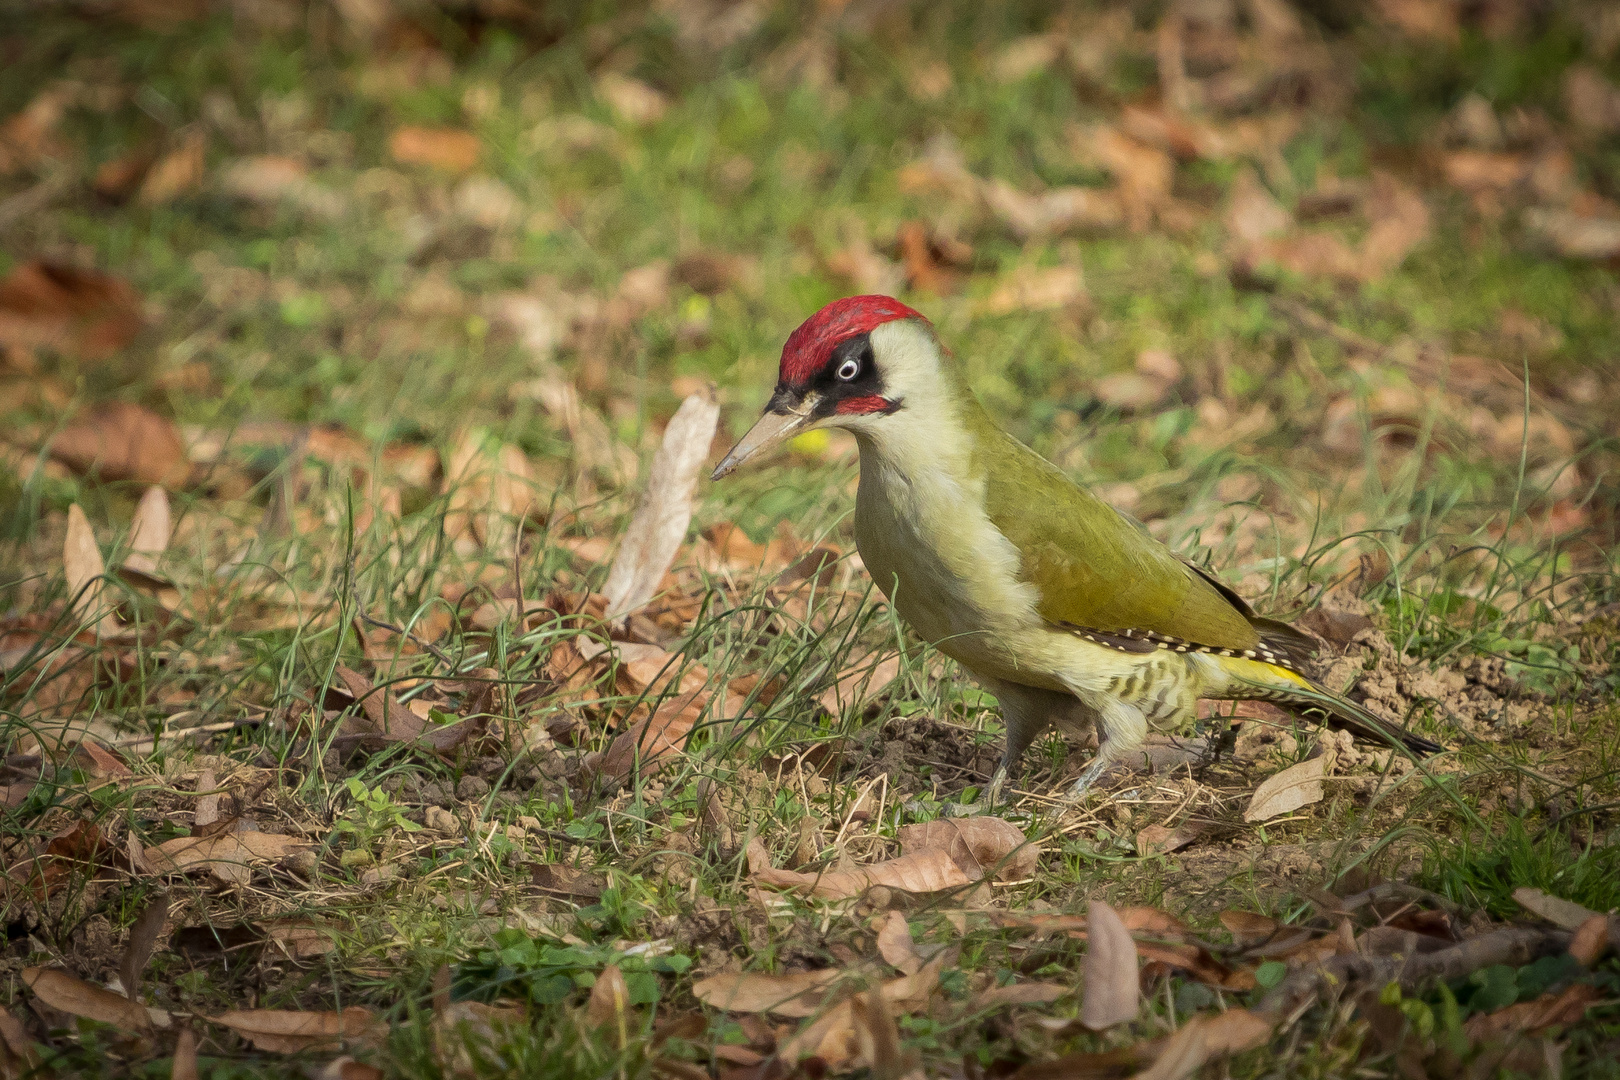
(849, 369)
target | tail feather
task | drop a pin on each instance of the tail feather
(1269, 682)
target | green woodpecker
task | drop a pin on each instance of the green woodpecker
(1062, 608)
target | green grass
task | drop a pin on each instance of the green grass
(289, 317)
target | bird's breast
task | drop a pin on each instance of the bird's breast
(925, 538)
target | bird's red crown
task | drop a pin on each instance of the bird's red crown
(809, 346)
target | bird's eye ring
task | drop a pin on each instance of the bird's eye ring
(849, 369)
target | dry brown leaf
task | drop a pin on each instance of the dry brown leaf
(1591, 940)
(978, 845)
(794, 994)
(1036, 288)
(1574, 235)
(1110, 982)
(877, 1039)
(925, 872)
(149, 531)
(895, 945)
(1531, 1017)
(1559, 912)
(143, 936)
(1023, 993)
(1287, 791)
(1248, 927)
(28, 136)
(177, 173)
(631, 100)
(386, 715)
(283, 1031)
(1145, 173)
(183, 1066)
(1205, 1037)
(123, 441)
(61, 307)
(229, 856)
(1399, 222)
(81, 561)
(833, 1036)
(1162, 840)
(271, 180)
(610, 999)
(449, 149)
(299, 939)
(659, 525)
(1591, 100)
(860, 684)
(490, 490)
(73, 995)
(1252, 214)
(460, 1026)
(1432, 20)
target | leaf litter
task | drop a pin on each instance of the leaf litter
(614, 709)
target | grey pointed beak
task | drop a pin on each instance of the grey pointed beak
(769, 431)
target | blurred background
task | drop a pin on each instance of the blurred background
(1294, 257)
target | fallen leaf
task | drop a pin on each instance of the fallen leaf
(1252, 214)
(1247, 927)
(462, 1027)
(490, 489)
(1287, 791)
(143, 936)
(1591, 101)
(1431, 20)
(177, 173)
(794, 994)
(1591, 940)
(1054, 212)
(833, 1036)
(895, 945)
(61, 307)
(631, 100)
(927, 268)
(1036, 288)
(1531, 1017)
(1559, 912)
(860, 683)
(229, 856)
(1573, 235)
(271, 180)
(299, 939)
(1024, 56)
(117, 178)
(1204, 1037)
(1110, 982)
(610, 999)
(450, 149)
(183, 1066)
(978, 845)
(1145, 173)
(659, 525)
(925, 872)
(386, 715)
(81, 561)
(1162, 840)
(568, 881)
(877, 1039)
(28, 136)
(1399, 221)
(123, 441)
(73, 995)
(149, 531)
(283, 1031)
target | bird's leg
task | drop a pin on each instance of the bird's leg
(1026, 711)
(1123, 729)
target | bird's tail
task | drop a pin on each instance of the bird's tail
(1256, 679)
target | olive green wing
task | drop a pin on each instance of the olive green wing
(1097, 572)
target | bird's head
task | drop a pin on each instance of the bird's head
(849, 365)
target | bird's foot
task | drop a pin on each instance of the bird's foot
(992, 795)
(1092, 773)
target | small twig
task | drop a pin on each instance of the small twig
(1398, 890)
(1514, 946)
(408, 636)
(1321, 324)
